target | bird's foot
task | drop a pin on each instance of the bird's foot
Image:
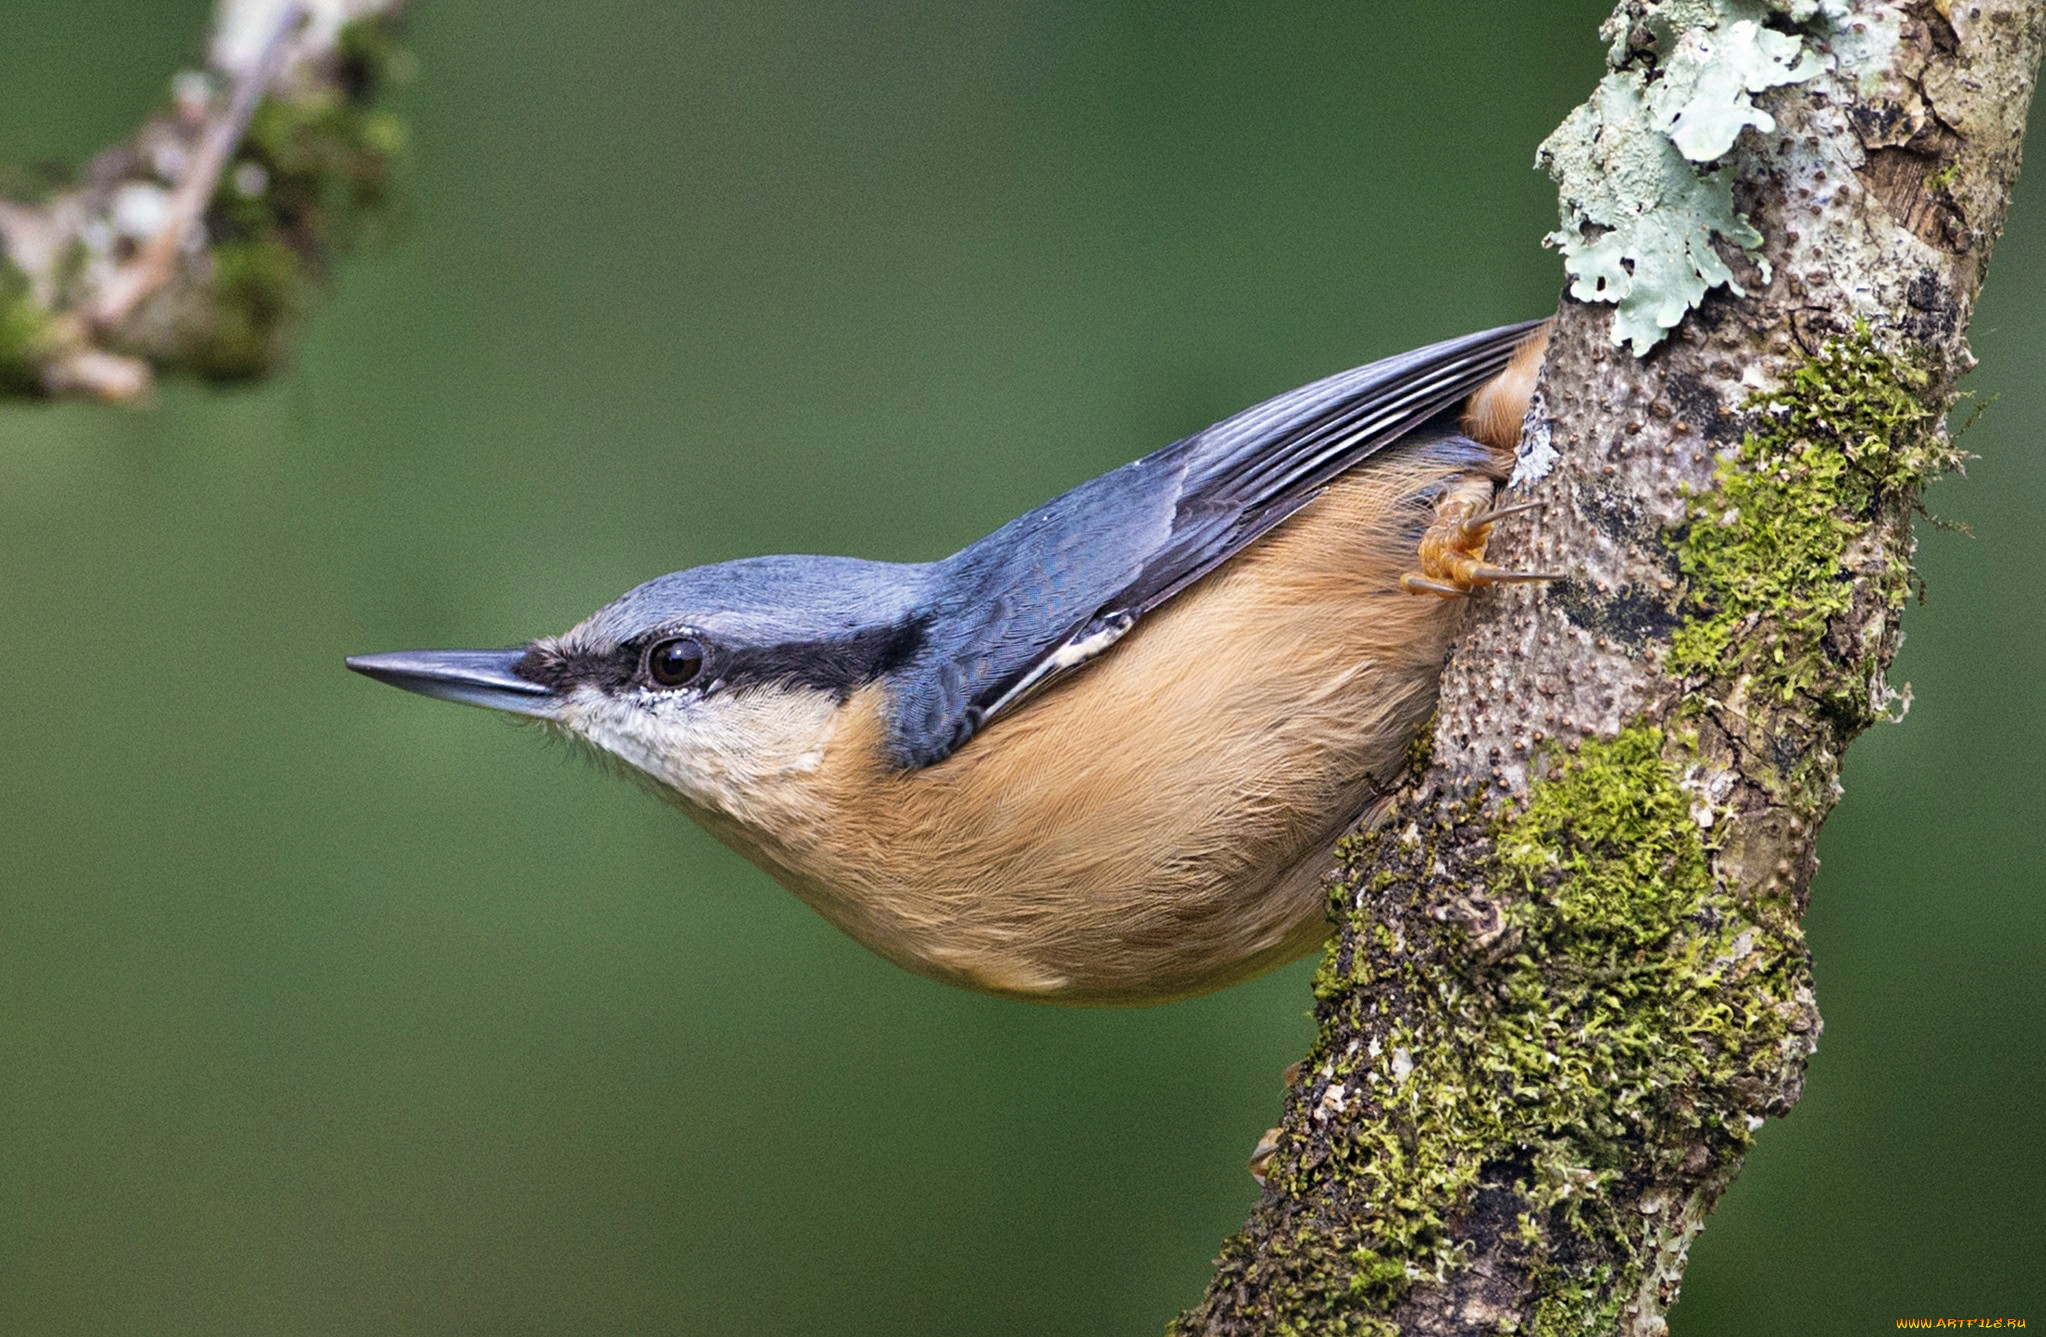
(1452, 551)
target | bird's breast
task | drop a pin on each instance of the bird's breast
(1154, 826)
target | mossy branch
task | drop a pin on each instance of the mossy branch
(196, 246)
(1570, 983)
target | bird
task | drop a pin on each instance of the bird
(1103, 755)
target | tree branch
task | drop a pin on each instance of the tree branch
(194, 246)
(1570, 980)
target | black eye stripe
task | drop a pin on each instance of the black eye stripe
(564, 668)
(840, 665)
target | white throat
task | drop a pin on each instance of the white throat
(742, 753)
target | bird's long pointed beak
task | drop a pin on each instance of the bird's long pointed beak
(472, 677)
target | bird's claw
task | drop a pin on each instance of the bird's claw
(1477, 528)
(1452, 551)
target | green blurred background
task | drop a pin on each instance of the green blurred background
(324, 1009)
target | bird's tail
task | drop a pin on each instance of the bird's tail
(1495, 409)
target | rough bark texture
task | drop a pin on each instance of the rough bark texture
(1570, 981)
(195, 246)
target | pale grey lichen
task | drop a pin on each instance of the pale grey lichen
(1642, 202)
(1860, 41)
(1638, 220)
(1535, 455)
(1702, 100)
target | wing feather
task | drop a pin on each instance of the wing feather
(1038, 598)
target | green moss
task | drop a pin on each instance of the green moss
(327, 160)
(312, 173)
(24, 333)
(1585, 1004)
(1567, 1023)
(1572, 1307)
(1765, 550)
(255, 293)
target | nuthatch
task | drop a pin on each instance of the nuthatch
(1101, 755)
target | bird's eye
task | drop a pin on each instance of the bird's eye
(673, 663)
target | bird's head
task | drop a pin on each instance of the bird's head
(719, 684)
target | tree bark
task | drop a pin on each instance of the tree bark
(1569, 982)
(195, 246)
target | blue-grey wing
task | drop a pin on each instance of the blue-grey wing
(1048, 591)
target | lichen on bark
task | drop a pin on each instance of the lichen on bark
(1640, 224)
(1569, 982)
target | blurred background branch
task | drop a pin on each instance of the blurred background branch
(195, 246)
